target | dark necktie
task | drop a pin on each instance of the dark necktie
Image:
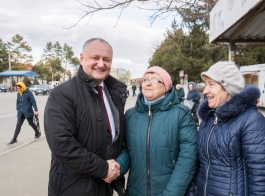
(100, 93)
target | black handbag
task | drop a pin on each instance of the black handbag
(36, 122)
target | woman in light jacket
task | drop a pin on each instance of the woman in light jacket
(161, 140)
(231, 138)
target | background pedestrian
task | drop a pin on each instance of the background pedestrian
(194, 95)
(25, 103)
(133, 90)
(180, 92)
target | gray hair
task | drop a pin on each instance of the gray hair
(95, 39)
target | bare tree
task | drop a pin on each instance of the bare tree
(191, 11)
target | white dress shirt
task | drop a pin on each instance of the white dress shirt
(110, 115)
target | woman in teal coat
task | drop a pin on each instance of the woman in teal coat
(161, 136)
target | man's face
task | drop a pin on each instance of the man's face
(96, 60)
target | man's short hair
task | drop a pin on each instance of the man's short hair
(95, 39)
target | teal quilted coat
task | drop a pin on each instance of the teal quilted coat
(161, 148)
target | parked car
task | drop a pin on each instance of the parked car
(42, 89)
(3, 88)
(33, 88)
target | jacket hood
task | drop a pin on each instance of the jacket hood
(193, 86)
(233, 107)
(166, 103)
(23, 87)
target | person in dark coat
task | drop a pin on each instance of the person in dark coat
(24, 105)
(133, 90)
(84, 127)
(194, 95)
(140, 86)
(160, 151)
(231, 138)
(180, 92)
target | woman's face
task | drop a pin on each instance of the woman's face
(153, 91)
(215, 93)
(190, 87)
(19, 89)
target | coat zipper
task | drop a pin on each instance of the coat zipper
(208, 156)
(148, 151)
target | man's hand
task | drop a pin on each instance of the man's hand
(114, 171)
(36, 113)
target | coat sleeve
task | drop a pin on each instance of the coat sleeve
(124, 158)
(185, 167)
(124, 161)
(60, 130)
(33, 101)
(17, 103)
(253, 147)
(182, 94)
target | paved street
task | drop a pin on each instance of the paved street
(8, 119)
(25, 165)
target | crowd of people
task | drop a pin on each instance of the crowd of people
(215, 148)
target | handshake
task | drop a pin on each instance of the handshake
(114, 171)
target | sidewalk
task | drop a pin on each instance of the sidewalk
(25, 170)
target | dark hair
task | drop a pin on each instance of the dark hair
(95, 39)
(19, 86)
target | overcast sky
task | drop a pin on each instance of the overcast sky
(42, 21)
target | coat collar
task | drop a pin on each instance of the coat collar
(166, 103)
(230, 109)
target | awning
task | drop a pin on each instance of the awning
(242, 22)
(18, 73)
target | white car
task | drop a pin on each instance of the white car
(33, 88)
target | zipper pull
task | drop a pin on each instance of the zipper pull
(215, 121)
(149, 110)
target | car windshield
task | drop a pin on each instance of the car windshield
(44, 86)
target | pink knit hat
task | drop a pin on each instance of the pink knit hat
(163, 75)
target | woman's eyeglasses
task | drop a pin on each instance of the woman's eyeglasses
(152, 81)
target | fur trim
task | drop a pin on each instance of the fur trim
(237, 104)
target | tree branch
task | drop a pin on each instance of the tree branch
(191, 11)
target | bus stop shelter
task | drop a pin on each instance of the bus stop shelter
(240, 22)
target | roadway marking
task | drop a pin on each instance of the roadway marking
(16, 114)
